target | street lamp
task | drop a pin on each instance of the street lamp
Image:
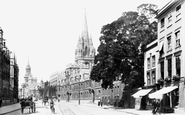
(67, 75)
(78, 77)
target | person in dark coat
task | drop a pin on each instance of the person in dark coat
(22, 103)
(0, 101)
(154, 104)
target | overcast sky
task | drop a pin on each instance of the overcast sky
(46, 32)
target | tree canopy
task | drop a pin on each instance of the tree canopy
(121, 51)
(47, 90)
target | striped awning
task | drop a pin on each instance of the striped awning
(158, 94)
(141, 93)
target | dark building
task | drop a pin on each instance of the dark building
(7, 92)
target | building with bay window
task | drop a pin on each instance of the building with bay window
(169, 53)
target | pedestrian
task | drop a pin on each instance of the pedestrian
(0, 102)
(101, 102)
(22, 103)
(154, 107)
(158, 106)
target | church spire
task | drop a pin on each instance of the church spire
(85, 47)
(85, 22)
(85, 27)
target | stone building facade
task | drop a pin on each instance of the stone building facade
(76, 83)
(171, 31)
(9, 72)
(166, 58)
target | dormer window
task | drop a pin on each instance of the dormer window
(162, 22)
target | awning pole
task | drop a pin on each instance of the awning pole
(170, 99)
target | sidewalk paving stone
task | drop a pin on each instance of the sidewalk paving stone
(130, 111)
(9, 108)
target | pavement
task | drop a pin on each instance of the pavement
(14, 107)
(127, 110)
(9, 108)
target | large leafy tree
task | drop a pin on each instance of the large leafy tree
(121, 51)
(47, 90)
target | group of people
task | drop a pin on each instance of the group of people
(51, 103)
(156, 106)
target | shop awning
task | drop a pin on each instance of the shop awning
(158, 94)
(141, 93)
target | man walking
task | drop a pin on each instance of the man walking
(22, 103)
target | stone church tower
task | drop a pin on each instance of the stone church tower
(85, 52)
(30, 84)
(28, 73)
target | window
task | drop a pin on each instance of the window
(169, 18)
(178, 8)
(153, 77)
(178, 14)
(153, 61)
(148, 61)
(162, 69)
(162, 22)
(177, 39)
(148, 78)
(178, 65)
(170, 67)
(169, 43)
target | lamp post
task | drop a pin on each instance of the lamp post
(78, 77)
(67, 75)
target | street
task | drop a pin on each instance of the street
(68, 108)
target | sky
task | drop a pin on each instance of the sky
(44, 33)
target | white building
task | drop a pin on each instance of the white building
(30, 86)
(169, 56)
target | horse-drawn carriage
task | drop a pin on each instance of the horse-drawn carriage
(27, 104)
(45, 100)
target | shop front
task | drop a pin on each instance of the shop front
(141, 98)
(167, 96)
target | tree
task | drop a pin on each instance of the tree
(149, 10)
(52, 90)
(44, 91)
(121, 51)
(41, 91)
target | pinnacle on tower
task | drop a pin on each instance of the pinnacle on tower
(85, 28)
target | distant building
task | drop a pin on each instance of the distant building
(80, 70)
(30, 86)
(53, 79)
(60, 83)
(77, 83)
